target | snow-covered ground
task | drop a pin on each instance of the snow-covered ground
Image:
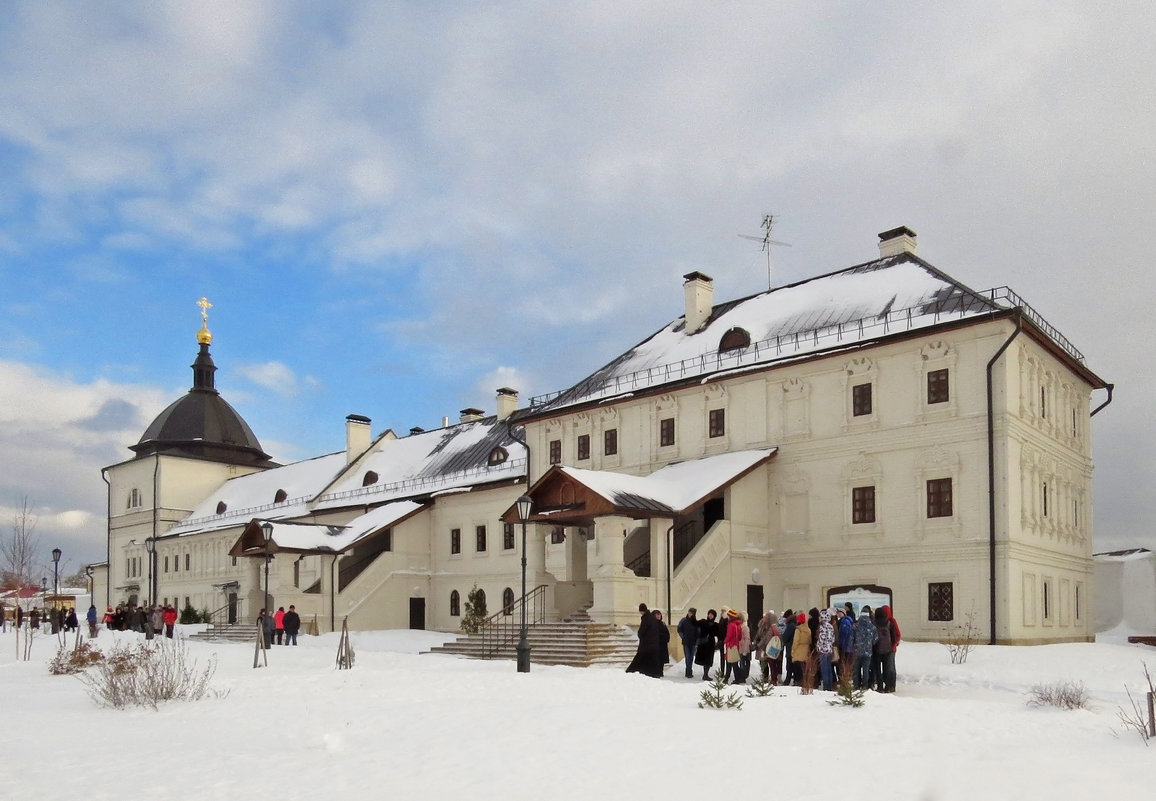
(404, 725)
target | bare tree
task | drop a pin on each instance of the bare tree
(19, 549)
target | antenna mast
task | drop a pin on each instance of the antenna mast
(768, 225)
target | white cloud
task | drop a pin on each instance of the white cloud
(273, 376)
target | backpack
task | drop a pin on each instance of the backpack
(774, 647)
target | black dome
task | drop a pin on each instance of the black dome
(202, 425)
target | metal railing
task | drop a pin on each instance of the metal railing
(500, 631)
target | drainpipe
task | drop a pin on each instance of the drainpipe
(991, 471)
(1109, 387)
(332, 590)
(522, 442)
(156, 511)
(669, 571)
(108, 543)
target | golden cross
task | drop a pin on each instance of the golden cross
(205, 306)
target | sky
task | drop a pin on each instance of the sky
(396, 208)
(439, 726)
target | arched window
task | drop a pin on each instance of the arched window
(507, 601)
(134, 499)
(734, 339)
(370, 478)
(455, 604)
(498, 455)
(222, 507)
(280, 496)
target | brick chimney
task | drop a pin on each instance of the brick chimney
(357, 436)
(507, 402)
(699, 291)
(896, 241)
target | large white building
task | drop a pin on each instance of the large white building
(881, 432)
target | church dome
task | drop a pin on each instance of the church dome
(202, 424)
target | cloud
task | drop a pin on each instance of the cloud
(275, 377)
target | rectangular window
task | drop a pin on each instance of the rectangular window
(557, 535)
(717, 422)
(583, 446)
(937, 386)
(1043, 403)
(1077, 601)
(188, 558)
(940, 601)
(1045, 499)
(666, 432)
(1047, 597)
(555, 451)
(166, 564)
(508, 536)
(176, 563)
(480, 533)
(187, 604)
(863, 505)
(861, 400)
(455, 540)
(939, 497)
(610, 441)
(1073, 422)
(234, 561)
(297, 573)
(387, 540)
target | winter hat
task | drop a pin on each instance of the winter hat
(732, 614)
(801, 618)
(770, 613)
(866, 612)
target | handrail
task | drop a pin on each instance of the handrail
(223, 614)
(684, 539)
(503, 628)
(640, 565)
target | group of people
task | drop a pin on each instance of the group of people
(831, 640)
(146, 619)
(58, 618)
(281, 627)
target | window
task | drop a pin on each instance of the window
(610, 441)
(387, 540)
(557, 535)
(134, 497)
(716, 425)
(455, 604)
(555, 451)
(1045, 498)
(939, 497)
(1077, 601)
(455, 540)
(222, 507)
(234, 561)
(507, 601)
(480, 533)
(187, 604)
(734, 339)
(937, 386)
(940, 601)
(188, 558)
(861, 400)
(583, 446)
(280, 496)
(177, 563)
(498, 455)
(863, 505)
(1073, 422)
(1043, 403)
(1047, 598)
(166, 564)
(369, 478)
(508, 536)
(666, 432)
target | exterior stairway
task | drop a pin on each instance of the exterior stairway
(236, 632)
(576, 641)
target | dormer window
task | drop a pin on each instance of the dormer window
(734, 339)
(370, 478)
(498, 455)
(280, 496)
(222, 507)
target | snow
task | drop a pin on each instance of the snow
(313, 537)
(402, 724)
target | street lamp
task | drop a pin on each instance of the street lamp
(267, 530)
(56, 552)
(524, 504)
(151, 548)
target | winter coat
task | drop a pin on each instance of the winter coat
(846, 634)
(883, 643)
(688, 630)
(826, 642)
(763, 634)
(801, 645)
(893, 626)
(169, 616)
(292, 622)
(91, 616)
(734, 635)
(279, 619)
(864, 635)
(157, 616)
(651, 654)
(707, 638)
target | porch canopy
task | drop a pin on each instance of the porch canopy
(572, 496)
(318, 538)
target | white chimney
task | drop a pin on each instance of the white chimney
(357, 436)
(896, 242)
(699, 290)
(470, 415)
(507, 402)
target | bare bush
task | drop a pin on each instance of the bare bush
(69, 661)
(1060, 694)
(963, 638)
(148, 675)
(1140, 716)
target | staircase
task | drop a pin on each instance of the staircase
(576, 641)
(235, 632)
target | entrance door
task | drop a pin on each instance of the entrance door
(754, 604)
(417, 613)
(232, 608)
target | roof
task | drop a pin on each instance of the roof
(1126, 555)
(889, 296)
(418, 466)
(314, 538)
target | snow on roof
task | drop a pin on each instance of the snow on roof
(893, 294)
(673, 488)
(312, 537)
(1126, 555)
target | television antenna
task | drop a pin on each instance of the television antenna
(768, 225)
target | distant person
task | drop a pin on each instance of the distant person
(650, 657)
(688, 635)
(70, 621)
(292, 623)
(707, 639)
(169, 617)
(91, 618)
(279, 625)
(265, 626)
(34, 619)
(863, 649)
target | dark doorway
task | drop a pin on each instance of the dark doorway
(754, 604)
(232, 608)
(417, 613)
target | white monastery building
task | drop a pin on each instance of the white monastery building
(881, 433)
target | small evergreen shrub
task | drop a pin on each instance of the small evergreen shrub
(190, 615)
(475, 614)
(761, 687)
(846, 694)
(716, 696)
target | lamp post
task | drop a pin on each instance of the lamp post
(267, 530)
(524, 504)
(151, 548)
(56, 552)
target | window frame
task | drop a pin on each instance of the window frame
(667, 437)
(716, 423)
(610, 442)
(860, 406)
(940, 597)
(480, 538)
(940, 498)
(508, 537)
(455, 541)
(863, 505)
(583, 447)
(555, 451)
(938, 386)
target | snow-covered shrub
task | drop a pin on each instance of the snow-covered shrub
(1060, 694)
(962, 638)
(147, 675)
(74, 660)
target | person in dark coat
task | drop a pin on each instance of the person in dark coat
(651, 652)
(70, 621)
(788, 639)
(292, 623)
(883, 666)
(688, 636)
(707, 639)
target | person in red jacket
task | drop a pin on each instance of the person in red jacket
(279, 625)
(169, 616)
(889, 679)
